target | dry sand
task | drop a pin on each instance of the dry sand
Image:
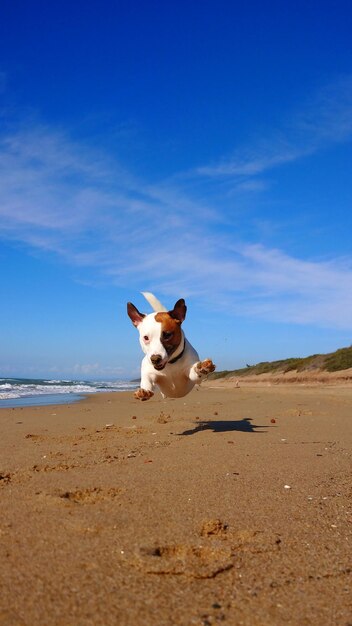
(230, 506)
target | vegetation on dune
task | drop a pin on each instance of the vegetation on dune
(339, 360)
(335, 361)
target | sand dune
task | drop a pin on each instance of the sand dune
(306, 377)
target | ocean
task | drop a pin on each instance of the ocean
(39, 391)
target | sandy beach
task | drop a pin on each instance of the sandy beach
(231, 505)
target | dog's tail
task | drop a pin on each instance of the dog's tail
(153, 301)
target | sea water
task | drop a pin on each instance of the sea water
(39, 391)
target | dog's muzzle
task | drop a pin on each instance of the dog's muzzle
(157, 362)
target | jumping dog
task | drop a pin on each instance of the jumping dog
(170, 362)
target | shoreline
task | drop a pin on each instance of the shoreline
(45, 399)
(44, 391)
(342, 378)
(229, 505)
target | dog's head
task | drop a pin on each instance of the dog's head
(160, 334)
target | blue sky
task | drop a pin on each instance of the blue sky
(197, 150)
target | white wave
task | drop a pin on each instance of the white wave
(8, 391)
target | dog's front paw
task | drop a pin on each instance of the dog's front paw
(203, 368)
(143, 394)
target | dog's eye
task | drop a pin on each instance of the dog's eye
(167, 335)
(146, 338)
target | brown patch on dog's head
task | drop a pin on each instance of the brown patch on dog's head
(171, 321)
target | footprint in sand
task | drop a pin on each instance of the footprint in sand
(195, 561)
(215, 552)
(91, 496)
(34, 437)
(163, 418)
(60, 467)
(214, 528)
(5, 478)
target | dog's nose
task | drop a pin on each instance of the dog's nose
(156, 359)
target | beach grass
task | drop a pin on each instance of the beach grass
(336, 361)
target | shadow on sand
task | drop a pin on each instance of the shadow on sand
(244, 425)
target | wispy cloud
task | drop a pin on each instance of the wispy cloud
(96, 369)
(59, 196)
(325, 119)
(265, 155)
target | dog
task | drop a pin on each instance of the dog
(170, 362)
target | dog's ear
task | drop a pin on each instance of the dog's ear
(179, 311)
(134, 314)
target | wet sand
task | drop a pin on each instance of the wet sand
(229, 506)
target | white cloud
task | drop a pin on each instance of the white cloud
(58, 196)
(96, 369)
(262, 157)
